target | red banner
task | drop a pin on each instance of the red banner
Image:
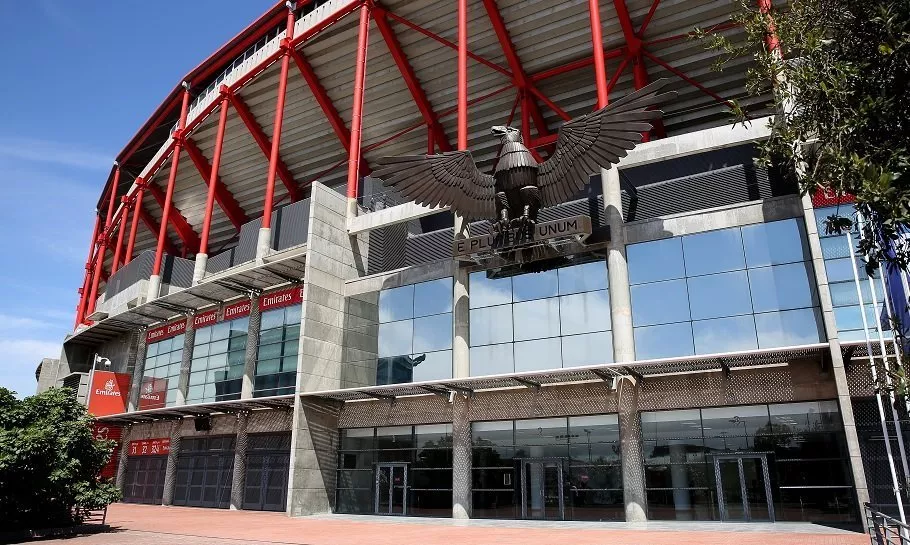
(206, 318)
(113, 433)
(825, 197)
(283, 298)
(109, 393)
(238, 310)
(150, 447)
(165, 331)
(152, 393)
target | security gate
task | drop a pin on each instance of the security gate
(144, 481)
(268, 461)
(205, 468)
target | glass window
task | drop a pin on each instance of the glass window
(835, 247)
(538, 355)
(396, 338)
(660, 303)
(527, 287)
(788, 328)
(396, 304)
(536, 319)
(161, 373)
(724, 335)
(584, 312)
(434, 297)
(487, 292)
(654, 261)
(774, 243)
(276, 376)
(432, 333)
(589, 349)
(782, 287)
(585, 277)
(719, 295)
(218, 361)
(713, 252)
(491, 325)
(494, 359)
(664, 341)
(435, 366)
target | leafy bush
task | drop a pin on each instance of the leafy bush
(49, 461)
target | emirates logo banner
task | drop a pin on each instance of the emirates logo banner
(109, 393)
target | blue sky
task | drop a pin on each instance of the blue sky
(78, 79)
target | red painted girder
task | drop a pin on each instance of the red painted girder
(648, 17)
(686, 78)
(576, 65)
(175, 217)
(264, 143)
(715, 28)
(410, 79)
(155, 228)
(223, 197)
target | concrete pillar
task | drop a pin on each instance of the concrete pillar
(314, 457)
(252, 350)
(199, 266)
(138, 371)
(123, 456)
(461, 312)
(186, 361)
(633, 472)
(679, 479)
(154, 287)
(264, 243)
(618, 269)
(170, 471)
(238, 484)
(837, 358)
(461, 458)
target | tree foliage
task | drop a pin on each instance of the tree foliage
(49, 461)
(842, 89)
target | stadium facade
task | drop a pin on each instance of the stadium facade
(266, 326)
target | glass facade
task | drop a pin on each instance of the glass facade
(162, 371)
(801, 446)
(216, 372)
(511, 460)
(729, 290)
(276, 363)
(420, 458)
(415, 333)
(547, 320)
(848, 295)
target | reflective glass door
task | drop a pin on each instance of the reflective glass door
(542, 489)
(391, 489)
(743, 488)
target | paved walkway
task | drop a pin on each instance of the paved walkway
(156, 525)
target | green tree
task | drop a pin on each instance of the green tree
(49, 461)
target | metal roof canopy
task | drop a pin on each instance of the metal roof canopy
(280, 268)
(201, 409)
(725, 362)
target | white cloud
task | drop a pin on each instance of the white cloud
(57, 153)
(20, 359)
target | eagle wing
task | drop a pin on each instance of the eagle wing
(598, 140)
(446, 179)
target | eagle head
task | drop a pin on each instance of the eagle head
(507, 134)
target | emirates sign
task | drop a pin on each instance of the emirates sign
(165, 331)
(150, 447)
(109, 393)
(283, 298)
(109, 432)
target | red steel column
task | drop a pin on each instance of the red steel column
(83, 292)
(102, 244)
(125, 200)
(203, 255)
(360, 73)
(600, 65)
(286, 45)
(462, 74)
(771, 40)
(137, 203)
(155, 279)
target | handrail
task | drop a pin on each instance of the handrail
(884, 529)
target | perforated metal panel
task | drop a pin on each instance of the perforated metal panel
(205, 472)
(144, 482)
(268, 461)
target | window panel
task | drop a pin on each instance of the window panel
(782, 287)
(536, 319)
(724, 335)
(851, 318)
(494, 359)
(580, 278)
(435, 366)
(774, 243)
(664, 341)
(713, 252)
(272, 319)
(396, 304)
(788, 328)
(491, 325)
(835, 247)
(654, 261)
(432, 333)
(395, 338)
(434, 297)
(486, 292)
(589, 349)
(719, 295)
(660, 303)
(584, 312)
(840, 270)
(538, 355)
(527, 287)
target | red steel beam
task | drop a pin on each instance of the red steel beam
(166, 202)
(648, 17)
(155, 228)
(600, 65)
(137, 204)
(83, 292)
(686, 78)
(410, 79)
(125, 200)
(222, 195)
(360, 74)
(264, 143)
(463, 74)
(186, 233)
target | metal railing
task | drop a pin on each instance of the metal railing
(884, 529)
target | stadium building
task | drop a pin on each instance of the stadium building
(267, 326)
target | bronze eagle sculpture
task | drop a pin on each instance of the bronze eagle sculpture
(520, 185)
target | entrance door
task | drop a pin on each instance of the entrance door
(743, 488)
(542, 489)
(391, 489)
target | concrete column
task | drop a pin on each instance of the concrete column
(154, 287)
(170, 472)
(238, 484)
(679, 479)
(837, 357)
(138, 371)
(252, 350)
(314, 457)
(264, 243)
(618, 269)
(461, 458)
(186, 361)
(201, 262)
(633, 473)
(461, 312)
(123, 456)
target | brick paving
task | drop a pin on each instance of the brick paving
(156, 525)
